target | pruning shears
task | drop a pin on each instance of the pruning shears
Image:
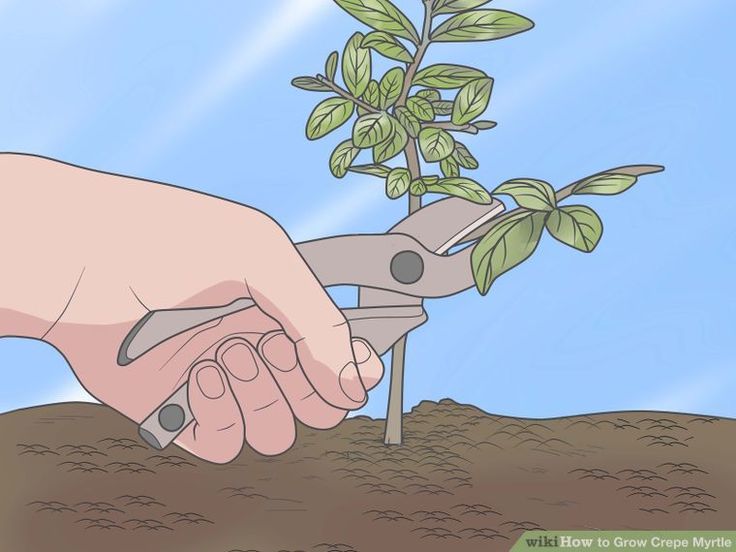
(394, 271)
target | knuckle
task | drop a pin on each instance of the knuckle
(336, 326)
(332, 334)
(267, 229)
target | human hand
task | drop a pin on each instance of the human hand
(142, 246)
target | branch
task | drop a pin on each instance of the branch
(447, 125)
(419, 55)
(410, 152)
(560, 195)
(347, 95)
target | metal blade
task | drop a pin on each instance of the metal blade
(437, 226)
(444, 223)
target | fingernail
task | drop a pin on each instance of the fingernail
(350, 383)
(210, 382)
(361, 351)
(238, 358)
(278, 350)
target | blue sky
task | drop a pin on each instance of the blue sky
(199, 96)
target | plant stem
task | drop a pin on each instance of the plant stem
(412, 162)
(448, 125)
(393, 434)
(347, 95)
(419, 55)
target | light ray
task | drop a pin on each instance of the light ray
(259, 44)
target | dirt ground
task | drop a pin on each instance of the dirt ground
(76, 478)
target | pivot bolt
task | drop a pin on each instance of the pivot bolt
(407, 267)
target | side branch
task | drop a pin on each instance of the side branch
(562, 194)
(347, 95)
(411, 70)
(447, 125)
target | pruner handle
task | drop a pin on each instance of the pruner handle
(160, 325)
(381, 327)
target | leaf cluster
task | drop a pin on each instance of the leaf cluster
(412, 109)
(514, 236)
(409, 107)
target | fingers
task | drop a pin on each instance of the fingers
(285, 288)
(269, 422)
(279, 354)
(265, 388)
(217, 432)
(370, 365)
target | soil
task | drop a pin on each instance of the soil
(76, 477)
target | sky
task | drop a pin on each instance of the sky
(199, 96)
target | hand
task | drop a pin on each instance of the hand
(143, 246)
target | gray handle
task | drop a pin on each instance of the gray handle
(161, 325)
(379, 326)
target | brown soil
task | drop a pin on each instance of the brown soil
(75, 477)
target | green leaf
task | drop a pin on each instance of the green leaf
(481, 25)
(390, 87)
(408, 120)
(417, 187)
(447, 76)
(327, 116)
(577, 226)
(310, 83)
(421, 108)
(506, 245)
(536, 195)
(454, 6)
(387, 46)
(443, 107)
(449, 166)
(464, 158)
(331, 66)
(472, 100)
(373, 170)
(372, 129)
(343, 156)
(356, 65)
(429, 94)
(381, 15)
(465, 188)
(436, 144)
(372, 94)
(397, 182)
(484, 125)
(605, 184)
(393, 146)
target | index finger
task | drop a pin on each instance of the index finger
(285, 288)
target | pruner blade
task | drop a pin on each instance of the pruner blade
(443, 224)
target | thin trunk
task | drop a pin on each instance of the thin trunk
(394, 414)
(393, 434)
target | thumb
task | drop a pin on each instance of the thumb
(217, 431)
(285, 288)
(370, 366)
